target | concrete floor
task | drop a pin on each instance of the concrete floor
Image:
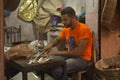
(31, 76)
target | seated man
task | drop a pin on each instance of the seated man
(79, 43)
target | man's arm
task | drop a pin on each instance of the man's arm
(77, 52)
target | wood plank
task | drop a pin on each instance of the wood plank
(1, 42)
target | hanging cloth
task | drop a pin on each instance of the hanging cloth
(46, 9)
(42, 17)
(28, 10)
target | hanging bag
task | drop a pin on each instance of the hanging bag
(28, 10)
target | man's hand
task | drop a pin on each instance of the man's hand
(52, 44)
(48, 47)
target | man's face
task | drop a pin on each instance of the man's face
(66, 20)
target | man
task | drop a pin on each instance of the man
(79, 44)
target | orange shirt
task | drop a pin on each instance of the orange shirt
(81, 31)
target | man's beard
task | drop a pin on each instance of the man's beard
(68, 25)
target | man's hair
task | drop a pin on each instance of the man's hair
(69, 11)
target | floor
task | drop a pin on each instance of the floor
(31, 76)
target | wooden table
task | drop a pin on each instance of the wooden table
(23, 66)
